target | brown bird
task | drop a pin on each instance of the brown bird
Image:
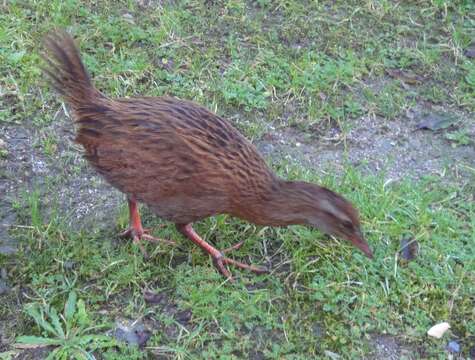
(186, 163)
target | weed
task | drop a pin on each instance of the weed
(69, 332)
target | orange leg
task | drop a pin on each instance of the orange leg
(219, 259)
(136, 231)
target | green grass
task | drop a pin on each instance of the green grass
(261, 63)
(324, 61)
(321, 295)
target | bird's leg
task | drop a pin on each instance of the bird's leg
(219, 260)
(136, 231)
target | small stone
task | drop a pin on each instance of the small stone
(453, 347)
(438, 330)
(8, 250)
(266, 148)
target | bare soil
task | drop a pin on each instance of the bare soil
(394, 149)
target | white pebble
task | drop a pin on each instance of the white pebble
(438, 330)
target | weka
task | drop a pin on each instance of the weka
(186, 163)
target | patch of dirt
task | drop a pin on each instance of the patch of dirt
(389, 348)
(65, 183)
(166, 318)
(393, 148)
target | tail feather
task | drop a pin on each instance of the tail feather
(66, 71)
(69, 77)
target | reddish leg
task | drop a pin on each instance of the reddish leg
(136, 231)
(219, 260)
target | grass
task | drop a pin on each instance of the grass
(321, 295)
(323, 61)
(263, 64)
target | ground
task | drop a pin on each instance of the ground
(333, 92)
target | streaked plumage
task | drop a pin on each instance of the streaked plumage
(185, 162)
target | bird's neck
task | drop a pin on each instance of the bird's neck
(280, 205)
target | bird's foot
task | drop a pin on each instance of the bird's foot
(220, 262)
(139, 234)
(132, 232)
(136, 232)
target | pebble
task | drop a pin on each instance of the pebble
(453, 347)
(438, 330)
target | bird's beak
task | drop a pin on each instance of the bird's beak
(359, 241)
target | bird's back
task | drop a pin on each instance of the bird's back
(179, 158)
(182, 160)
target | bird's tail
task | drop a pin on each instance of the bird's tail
(66, 71)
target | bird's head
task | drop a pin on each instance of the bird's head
(327, 211)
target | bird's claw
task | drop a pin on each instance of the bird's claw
(137, 235)
(221, 261)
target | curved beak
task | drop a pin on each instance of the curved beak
(359, 241)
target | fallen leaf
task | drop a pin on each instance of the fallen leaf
(153, 298)
(470, 51)
(438, 330)
(409, 248)
(183, 317)
(406, 76)
(133, 333)
(437, 121)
